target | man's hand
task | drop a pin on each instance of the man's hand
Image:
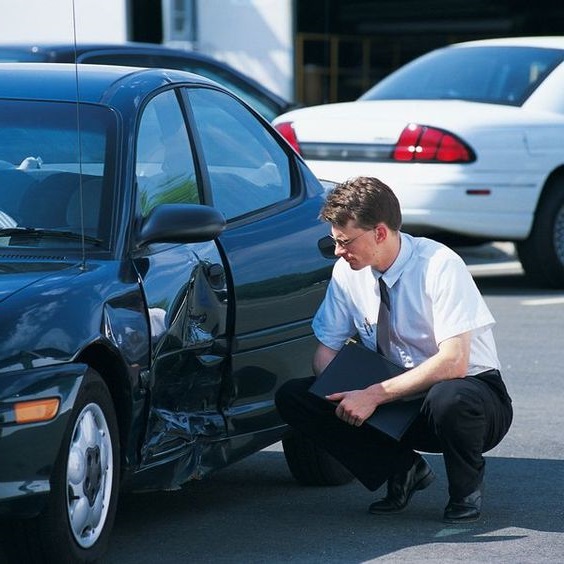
(355, 406)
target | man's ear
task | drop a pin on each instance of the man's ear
(381, 232)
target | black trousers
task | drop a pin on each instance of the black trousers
(461, 418)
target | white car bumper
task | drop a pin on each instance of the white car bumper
(458, 199)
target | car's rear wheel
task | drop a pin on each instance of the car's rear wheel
(311, 465)
(76, 525)
(542, 253)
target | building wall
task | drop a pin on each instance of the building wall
(52, 20)
(254, 36)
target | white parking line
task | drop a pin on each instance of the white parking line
(509, 267)
(543, 301)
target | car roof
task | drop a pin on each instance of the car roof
(547, 42)
(66, 52)
(96, 83)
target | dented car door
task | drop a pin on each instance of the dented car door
(186, 297)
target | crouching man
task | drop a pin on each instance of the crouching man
(434, 322)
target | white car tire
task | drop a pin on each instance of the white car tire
(542, 253)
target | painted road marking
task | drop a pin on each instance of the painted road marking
(510, 267)
(543, 301)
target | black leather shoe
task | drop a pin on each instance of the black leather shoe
(464, 510)
(402, 486)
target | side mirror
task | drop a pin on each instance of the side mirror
(181, 223)
(326, 247)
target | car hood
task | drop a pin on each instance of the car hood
(51, 309)
(382, 121)
(17, 275)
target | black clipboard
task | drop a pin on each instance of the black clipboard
(356, 367)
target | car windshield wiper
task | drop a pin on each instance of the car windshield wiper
(55, 233)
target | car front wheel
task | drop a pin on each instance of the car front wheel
(311, 465)
(84, 484)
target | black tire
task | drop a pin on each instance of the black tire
(311, 465)
(77, 523)
(542, 253)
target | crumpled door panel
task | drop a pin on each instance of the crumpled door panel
(186, 296)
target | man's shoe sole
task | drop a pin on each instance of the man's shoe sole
(462, 521)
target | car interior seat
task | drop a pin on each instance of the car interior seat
(87, 209)
(44, 204)
(15, 183)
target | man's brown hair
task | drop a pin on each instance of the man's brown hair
(365, 200)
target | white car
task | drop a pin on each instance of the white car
(471, 139)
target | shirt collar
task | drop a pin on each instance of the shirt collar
(392, 275)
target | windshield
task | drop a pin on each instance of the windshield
(40, 181)
(498, 75)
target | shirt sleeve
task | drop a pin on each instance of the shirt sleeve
(458, 306)
(333, 323)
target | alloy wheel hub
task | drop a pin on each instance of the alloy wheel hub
(93, 478)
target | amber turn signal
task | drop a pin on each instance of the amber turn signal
(36, 410)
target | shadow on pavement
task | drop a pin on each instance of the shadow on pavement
(243, 515)
(513, 285)
(255, 512)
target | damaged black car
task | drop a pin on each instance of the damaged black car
(159, 270)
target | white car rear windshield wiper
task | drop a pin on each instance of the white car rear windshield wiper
(55, 233)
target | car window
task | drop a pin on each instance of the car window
(51, 178)
(22, 55)
(248, 169)
(503, 75)
(261, 103)
(164, 164)
(126, 60)
(267, 107)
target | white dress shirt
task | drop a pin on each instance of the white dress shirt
(432, 297)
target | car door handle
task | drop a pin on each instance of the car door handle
(209, 360)
(216, 275)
